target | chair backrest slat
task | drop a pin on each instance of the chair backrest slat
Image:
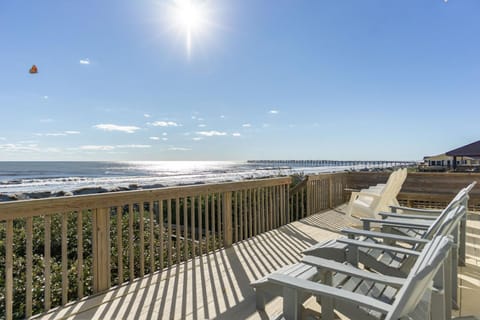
(419, 280)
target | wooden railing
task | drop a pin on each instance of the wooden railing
(423, 190)
(317, 193)
(57, 250)
(61, 249)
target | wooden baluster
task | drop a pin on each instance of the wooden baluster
(119, 244)
(220, 235)
(131, 239)
(302, 203)
(192, 225)
(258, 207)
(177, 229)
(141, 235)
(263, 209)
(151, 237)
(235, 214)
(200, 229)
(240, 215)
(245, 214)
(255, 212)
(227, 219)
(286, 203)
(169, 231)
(250, 213)
(29, 270)
(9, 270)
(185, 228)
(270, 208)
(64, 259)
(47, 259)
(101, 249)
(213, 199)
(161, 218)
(80, 254)
(282, 204)
(207, 224)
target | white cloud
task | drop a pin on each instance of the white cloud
(110, 148)
(154, 138)
(114, 127)
(194, 117)
(200, 119)
(202, 125)
(3, 138)
(222, 116)
(164, 139)
(165, 124)
(146, 115)
(133, 146)
(12, 147)
(164, 134)
(236, 134)
(246, 125)
(273, 111)
(97, 148)
(178, 149)
(47, 120)
(45, 97)
(211, 133)
(57, 134)
(265, 125)
(84, 61)
(197, 139)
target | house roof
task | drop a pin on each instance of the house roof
(469, 150)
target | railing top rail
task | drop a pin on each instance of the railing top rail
(36, 207)
(322, 176)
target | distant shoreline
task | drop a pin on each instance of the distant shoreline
(89, 190)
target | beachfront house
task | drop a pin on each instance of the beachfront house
(465, 158)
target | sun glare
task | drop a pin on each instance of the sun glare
(190, 18)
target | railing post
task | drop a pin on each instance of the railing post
(227, 219)
(309, 197)
(330, 192)
(101, 250)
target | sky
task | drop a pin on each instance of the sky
(238, 80)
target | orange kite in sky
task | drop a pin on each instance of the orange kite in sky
(33, 69)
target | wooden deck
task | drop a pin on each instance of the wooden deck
(217, 285)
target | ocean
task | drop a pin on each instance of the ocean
(22, 177)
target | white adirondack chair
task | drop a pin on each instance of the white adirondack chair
(371, 254)
(369, 202)
(360, 294)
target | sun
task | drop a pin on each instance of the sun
(190, 19)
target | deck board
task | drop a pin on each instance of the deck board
(217, 285)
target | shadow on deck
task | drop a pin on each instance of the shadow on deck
(217, 285)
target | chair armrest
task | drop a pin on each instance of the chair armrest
(383, 235)
(368, 194)
(431, 212)
(406, 216)
(352, 271)
(351, 190)
(383, 247)
(405, 223)
(328, 291)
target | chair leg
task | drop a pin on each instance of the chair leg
(462, 240)
(260, 299)
(438, 302)
(292, 308)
